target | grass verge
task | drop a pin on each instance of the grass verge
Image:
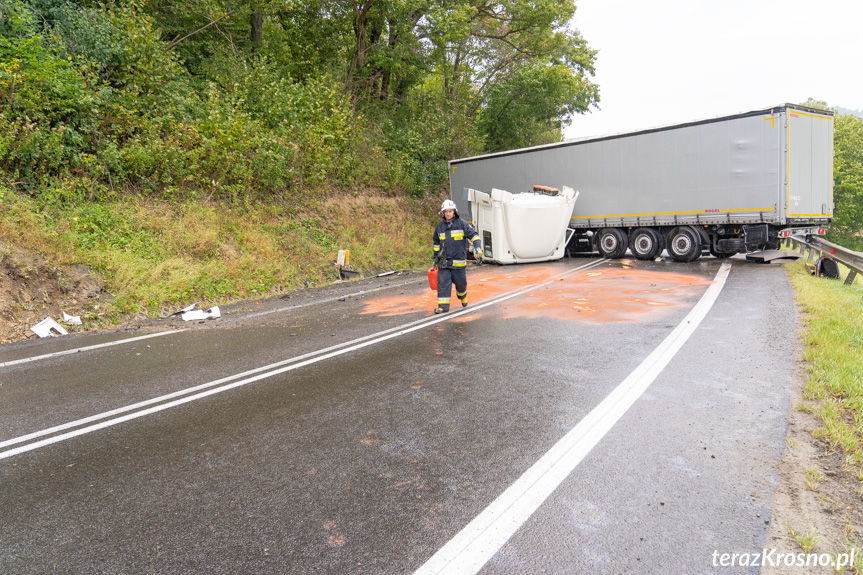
(833, 336)
(833, 394)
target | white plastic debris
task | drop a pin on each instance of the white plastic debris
(185, 309)
(47, 326)
(197, 314)
(71, 319)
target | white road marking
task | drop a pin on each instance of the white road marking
(182, 392)
(480, 540)
(331, 299)
(274, 369)
(249, 316)
(88, 348)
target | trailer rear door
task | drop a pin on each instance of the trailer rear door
(809, 186)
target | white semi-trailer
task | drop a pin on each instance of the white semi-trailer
(724, 185)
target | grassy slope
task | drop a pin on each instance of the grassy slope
(157, 256)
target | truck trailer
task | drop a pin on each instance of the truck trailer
(727, 185)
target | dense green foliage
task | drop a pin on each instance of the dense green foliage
(847, 228)
(259, 100)
(848, 181)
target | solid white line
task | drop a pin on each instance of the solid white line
(88, 348)
(182, 392)
(155, 400)
(480, 540)
(357, 344)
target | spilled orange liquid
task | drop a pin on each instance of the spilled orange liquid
(607, 295)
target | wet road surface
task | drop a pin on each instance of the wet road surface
(361, 434)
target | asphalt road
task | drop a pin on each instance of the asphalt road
(349, 430)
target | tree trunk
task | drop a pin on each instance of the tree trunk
(386, 78)
(256, 22)
(361, 35)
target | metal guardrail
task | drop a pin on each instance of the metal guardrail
(850, 259)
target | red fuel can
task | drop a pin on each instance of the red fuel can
(432, 272)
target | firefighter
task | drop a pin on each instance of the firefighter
(452, 237)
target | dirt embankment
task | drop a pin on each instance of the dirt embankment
(816, 496)
(32, 288)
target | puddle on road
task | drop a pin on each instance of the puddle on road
(607, 295)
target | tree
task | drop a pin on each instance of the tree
(245, 94)
(528, 108)
(524, 69)
(848, 180)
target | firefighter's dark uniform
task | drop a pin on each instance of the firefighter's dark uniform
(451, 241)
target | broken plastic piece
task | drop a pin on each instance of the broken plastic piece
(71, 319)
(193, 315)
(44, 328)
(185, 309)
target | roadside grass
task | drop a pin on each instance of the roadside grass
(841, 559)
(852, 544)
(833, 390)
(806, 541)
(157, 256)
(833, 337)
(813, 478)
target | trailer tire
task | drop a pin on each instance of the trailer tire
(646, 243)
(611, 243)
(660, 240)
(684, 244)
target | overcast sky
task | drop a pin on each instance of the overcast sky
(667, 61)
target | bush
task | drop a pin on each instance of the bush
(425, 133)
(100, 99)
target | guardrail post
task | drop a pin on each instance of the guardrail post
(851, 275)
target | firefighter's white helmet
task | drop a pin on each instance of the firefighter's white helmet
(447, 205)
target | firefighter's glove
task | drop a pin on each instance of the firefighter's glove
(477, 254)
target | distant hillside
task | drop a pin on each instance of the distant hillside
(841, 110)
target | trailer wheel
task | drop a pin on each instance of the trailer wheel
(646, 243)
(684, 244)
(611, 243)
